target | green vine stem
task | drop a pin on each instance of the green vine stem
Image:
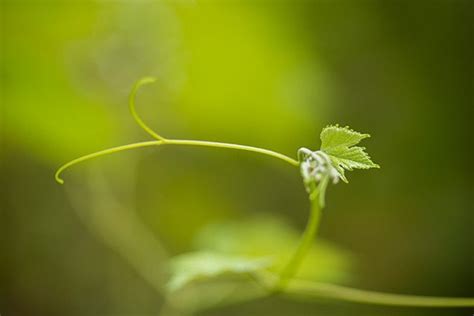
(311, 289)
(291, 268)
(299, 289)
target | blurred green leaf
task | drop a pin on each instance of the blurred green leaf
(203, 265)
(267, 236)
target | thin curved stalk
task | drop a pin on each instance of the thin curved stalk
(141, 123)
(181, 142)
(160, 140)
(131, 106)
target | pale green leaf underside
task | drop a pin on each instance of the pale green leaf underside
(338, 143)
(202, 265)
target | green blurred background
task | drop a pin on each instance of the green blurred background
(262, 73)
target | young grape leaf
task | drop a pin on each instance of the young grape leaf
(204, 264)
(339, 144)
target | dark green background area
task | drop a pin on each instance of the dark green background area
(263, 73)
